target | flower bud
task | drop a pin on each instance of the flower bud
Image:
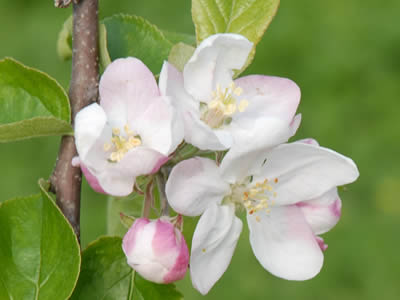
(157, 250)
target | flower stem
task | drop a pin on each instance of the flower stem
(148, 199)
(66, 179)
(160, 179)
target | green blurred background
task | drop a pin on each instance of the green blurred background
(344, 55)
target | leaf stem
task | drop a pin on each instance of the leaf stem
(66, 179)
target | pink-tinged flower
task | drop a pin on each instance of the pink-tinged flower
(131, 132)
(221, 113)
(289, 198)
(156, 250)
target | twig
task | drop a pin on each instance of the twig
(66, 179)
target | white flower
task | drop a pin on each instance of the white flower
(156, 250)
(217, 109)
(289, 199)
(131, 132)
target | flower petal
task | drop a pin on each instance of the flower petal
(250, 147)
(118, 178)
(202, 136)
(212, 63)
(159, 126)
(284, 244)
(171, 85)
(89, 125)
(193, 185)
(214, 241)
(305, 171)
(322, 213)
(269, 96)
(126, 89)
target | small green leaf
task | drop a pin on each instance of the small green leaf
(39, 252)
(32, 104)
(64, 42)
(246, 17)
(180, 54)
(105, 59)
(105, 274)
(177, 37)
(134, 36)
(147, 290)
(130, 205)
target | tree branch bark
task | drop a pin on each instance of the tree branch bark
(66, 179)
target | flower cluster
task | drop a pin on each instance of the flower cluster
(287, 190)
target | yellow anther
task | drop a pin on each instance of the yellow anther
(120, 145)
(204, 250)
(258, 219)
(243, 105)
(116, 131)
(107, 147)
(222, 106)
(238, 91)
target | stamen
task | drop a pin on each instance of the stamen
(120, 145)
(223, 105)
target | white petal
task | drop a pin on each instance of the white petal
(212, 63)
(269, 96)
(171, 85)
(306, 171)
(322, 213)
(202, 136)
(89, 125)
(284, 244)
(159, 126)
(214, 241)
(193, 185)
(126, 89)
(250, 146)
(118, 178)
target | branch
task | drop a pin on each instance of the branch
(66, 179)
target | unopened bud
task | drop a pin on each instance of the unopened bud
(157, 250)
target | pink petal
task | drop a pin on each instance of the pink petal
(193, 184)
(269, 96)
(92, 180)
(284, 244)
(322, 213)
(126, 89)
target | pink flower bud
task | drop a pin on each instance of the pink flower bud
(156, 250)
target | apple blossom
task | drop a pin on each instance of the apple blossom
(216, 109)
(131, 132)
(289, 199)
(156, 250)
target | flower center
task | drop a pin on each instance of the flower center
(219, 110)
(121, 143)
(253, 197)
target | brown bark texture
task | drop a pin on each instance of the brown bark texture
(66, 179)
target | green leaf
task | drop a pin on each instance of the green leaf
(134, 36)
(64, 42)
(130, 205)
(105, 274)
(246, 17)
(180, 54)
(177, 37)
(147, 290)
(105, 59)
(32, 104)
(39, 252)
